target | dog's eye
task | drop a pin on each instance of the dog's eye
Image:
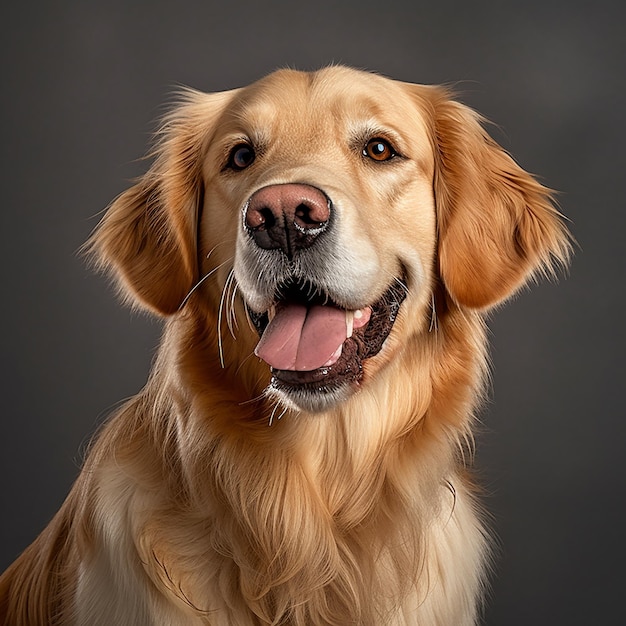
(241, 156)
(379, 150)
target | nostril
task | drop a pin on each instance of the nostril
(303, 214)
(302, 211)
(308, 216)
(268, 219)
(261, 218)
(311, 215)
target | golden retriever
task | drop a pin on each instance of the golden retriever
(323, 247)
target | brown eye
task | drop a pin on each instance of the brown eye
(379, 150)
(241, 156)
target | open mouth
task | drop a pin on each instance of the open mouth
(316, 347)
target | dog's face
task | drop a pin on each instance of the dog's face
(327, 188)
(337, 200)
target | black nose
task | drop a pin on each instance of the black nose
(288, 217)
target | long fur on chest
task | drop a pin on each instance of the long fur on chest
(214, 497)
(190, 502)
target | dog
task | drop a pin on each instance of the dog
(324, 248)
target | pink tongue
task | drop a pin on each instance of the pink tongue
(301, 338)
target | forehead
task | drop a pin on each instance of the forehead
(335, 99)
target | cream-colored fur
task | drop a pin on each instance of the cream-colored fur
(205, 500)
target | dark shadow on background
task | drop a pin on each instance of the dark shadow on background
(83, 84)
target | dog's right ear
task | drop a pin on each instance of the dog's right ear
(148, 236)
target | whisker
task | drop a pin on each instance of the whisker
(276, 407)
(434, 325)
(233, 309)
(254, 400)
(225, 302)
(231, 315)
(402, 284)
(221, 243)
(244, 361)
(274, 413)
(186, 298)
(220, 343)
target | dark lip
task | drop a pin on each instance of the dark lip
(365, 342)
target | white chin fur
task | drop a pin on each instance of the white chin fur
(310, 401)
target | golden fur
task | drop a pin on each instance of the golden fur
(196, 503)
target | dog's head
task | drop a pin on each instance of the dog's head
(338, 201)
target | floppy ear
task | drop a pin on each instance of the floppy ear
(497, 225)
(148, 236)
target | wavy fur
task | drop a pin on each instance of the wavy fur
(191, 509)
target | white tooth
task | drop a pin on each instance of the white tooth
(271, 312)
(350, 322)
(358, 314)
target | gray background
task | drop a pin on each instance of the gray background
(82, 84)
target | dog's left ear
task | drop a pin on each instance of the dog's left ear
(148, 236)
(497, 225)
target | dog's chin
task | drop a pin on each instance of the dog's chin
(318, 390)
(309, 399)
